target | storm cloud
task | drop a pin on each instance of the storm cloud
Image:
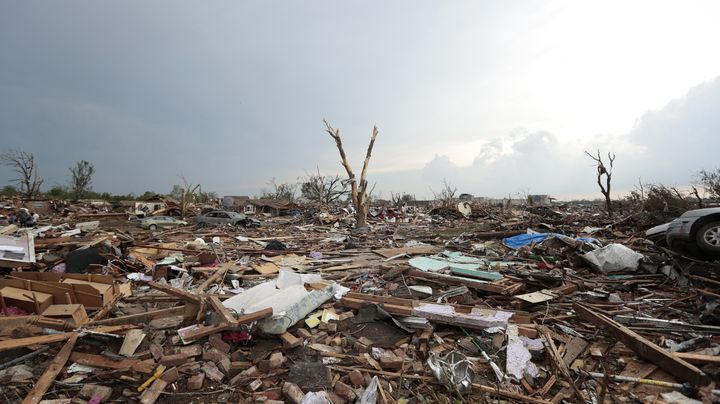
(495, 97)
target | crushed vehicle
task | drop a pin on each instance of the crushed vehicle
(225, 217)
(160, 222)
(696, 231)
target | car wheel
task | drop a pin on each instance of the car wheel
(240, 224)
(708, 237)
(152, 227)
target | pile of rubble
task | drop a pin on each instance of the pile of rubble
(548, 305)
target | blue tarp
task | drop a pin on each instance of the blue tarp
(521, 240)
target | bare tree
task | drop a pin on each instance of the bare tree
(400, 199)
(710, 180)
(283, 191)
(446, 196)
(24, 165)
(323, 189)
(187, 194)
(358, 192)
(698, 197)
(81, 178)
(604, 171)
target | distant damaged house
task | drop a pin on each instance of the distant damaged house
(539, 200)
(248, 206)
(156, 205)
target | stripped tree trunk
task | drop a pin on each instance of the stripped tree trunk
(603, 170)
(358, 191)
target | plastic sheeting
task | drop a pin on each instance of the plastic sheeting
(286, 295)
(613, 258)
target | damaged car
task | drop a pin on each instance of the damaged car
(696, 231)
(225, 217)
(160, 222)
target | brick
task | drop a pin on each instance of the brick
(292, 393)
(238, 355)
(248, 373)
(171, 375)
(356, 378)
(195, 382)
(212, 372)
(239, 366)
(225, 366)
(251, 372)
(346, 315)
(214, 355)
(89, 391)
(335, 399)
(174, 360)
(255, 384)
(216, 342)
(318, 336)
(189, 367)
(290, 341)
(304, 333)
(268, 394)
(345, 391)
(191, 350)
(156, 351)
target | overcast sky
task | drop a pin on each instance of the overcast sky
(496, 97)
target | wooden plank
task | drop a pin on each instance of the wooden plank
(492, 287)
(557, 360)
(266, 268)
(573, 349)
(698, 359)
(141, 317)
(153, 392)
(40, 339)
(644, 348)
(132, 340)
(56, 365)
(218, 275)
(102, 362)
(222, 310)
(421, 249)
(183, 294)
(201, 331)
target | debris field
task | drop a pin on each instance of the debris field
(526, 305)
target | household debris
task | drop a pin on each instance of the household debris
(479, 303)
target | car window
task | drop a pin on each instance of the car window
(223, 215)
(211, 214)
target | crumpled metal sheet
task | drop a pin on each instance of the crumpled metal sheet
(453, 370)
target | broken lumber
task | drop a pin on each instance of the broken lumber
(140, 317)
(40, 339)
(644, 348)
(44, 382)
(99, 361)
